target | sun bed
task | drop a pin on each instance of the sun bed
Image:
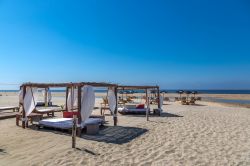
(14, 108)
(133, 109)
(48, 110)
(42, 103)
(66, 123)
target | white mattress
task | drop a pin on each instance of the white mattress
(133, 111)
(67, 123)
(123, 109)
(44, 110)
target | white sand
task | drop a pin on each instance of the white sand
(209, 134)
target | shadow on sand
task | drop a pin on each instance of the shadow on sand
(2, 151)
(108, 134)
(198, 105)
(165, 114)
(116, 134)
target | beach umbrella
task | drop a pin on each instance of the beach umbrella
(194, 93)
(180, 92)
(130, 92)
(163, 92)
(126, 93)
(188, 93)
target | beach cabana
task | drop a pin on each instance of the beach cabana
(84, 102)
(130, 109)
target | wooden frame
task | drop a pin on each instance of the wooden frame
(129, 87)
(68, 86)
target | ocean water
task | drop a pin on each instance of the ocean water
(175, 91)
(216, 91)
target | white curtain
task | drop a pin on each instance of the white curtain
(148, 99)
(161, 101)
(21, 96)
(72, 99)
(49, 96)
(88, 102)
(43, 93)
(111, 100)
(29, 100)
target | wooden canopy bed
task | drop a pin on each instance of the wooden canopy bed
(66, 122)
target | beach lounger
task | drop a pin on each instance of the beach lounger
(184, 101)
(166, 99)
(198, 98)
(14, 108)
(125, 111)
(133, 109)
(192, 101)
(33, 117)
(67, 123)
(50, 111)
(42, 103)
(104, 106)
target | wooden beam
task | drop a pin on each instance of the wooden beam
(46, 97)
(74, 132)
(67, 94)
(158, 96)
(58, 85)
(128, 87)
(147, 101)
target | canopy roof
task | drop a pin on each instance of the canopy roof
(128, 87)
(71, 84)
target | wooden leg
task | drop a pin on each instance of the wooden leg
(78, 132)
(17, 119)
(27, 123)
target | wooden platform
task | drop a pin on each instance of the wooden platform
(7, 115)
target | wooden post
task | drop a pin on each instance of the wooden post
(159, 101)
(46, 97)
(72, 89)
(147, 101)
(67, 94)
(79, 102)
(23, 112)
(115, 112)
(74, 132)
(158, 96)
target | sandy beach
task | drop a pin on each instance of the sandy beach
(204, 134)
(180, 69)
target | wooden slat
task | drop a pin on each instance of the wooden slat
(55, 85)
(128, 87)
(7, 115)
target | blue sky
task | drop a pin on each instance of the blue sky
(175, 44)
